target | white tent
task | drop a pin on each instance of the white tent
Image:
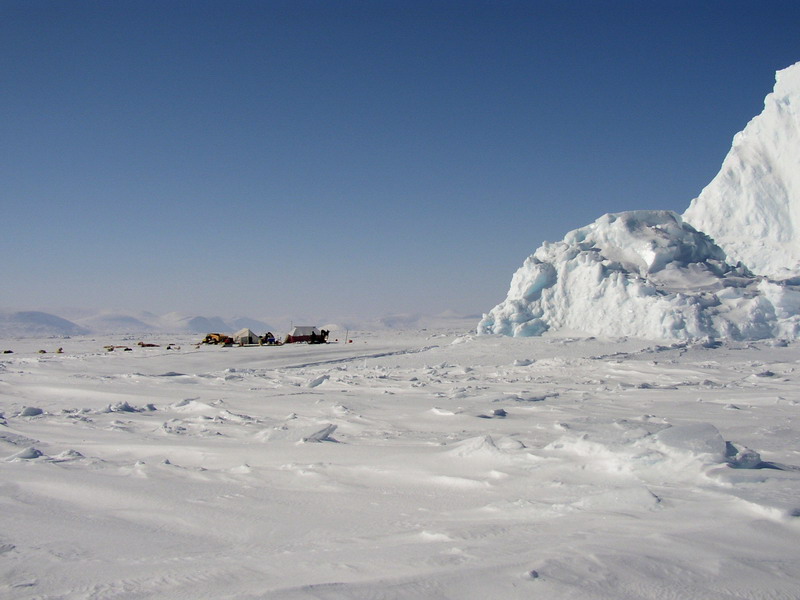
(245, 336)
(302, 333)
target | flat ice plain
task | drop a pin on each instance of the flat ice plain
(418, 464)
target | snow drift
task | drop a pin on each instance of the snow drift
(645, 274)
(752, 207)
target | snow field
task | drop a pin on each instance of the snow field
(413, 465)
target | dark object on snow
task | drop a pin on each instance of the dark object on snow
(31, 411)
(498, 413)
(218, 338)
(308, 334)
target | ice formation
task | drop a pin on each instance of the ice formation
(655, 275)
(752, 207)
(645, 274)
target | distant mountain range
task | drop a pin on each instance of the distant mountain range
(83, 322)
(24, 323)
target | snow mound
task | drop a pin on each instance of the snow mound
(645, 274)
(126, 407)
(190, 405)
(26, 454)
(485, 447)
(317, 381)
(695, 438)
(752, 207)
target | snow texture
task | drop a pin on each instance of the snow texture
(752, 207)
(429, 464)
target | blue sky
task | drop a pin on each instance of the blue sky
(323, 159)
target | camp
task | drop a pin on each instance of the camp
(303, 333)
(244, 337)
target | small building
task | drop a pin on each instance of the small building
(303, 333)
(244, 337)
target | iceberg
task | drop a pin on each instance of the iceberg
(752, 207)
(644, 274)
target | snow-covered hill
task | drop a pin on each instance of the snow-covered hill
(644, 274)
(752, 207)
(112, 322)
(36, 323)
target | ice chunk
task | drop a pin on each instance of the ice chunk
(27, 454)
(695, 438)
(31, 411)
(321, 435)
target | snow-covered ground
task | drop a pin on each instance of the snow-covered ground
(413, 464)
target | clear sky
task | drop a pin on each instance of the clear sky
(329, 159)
